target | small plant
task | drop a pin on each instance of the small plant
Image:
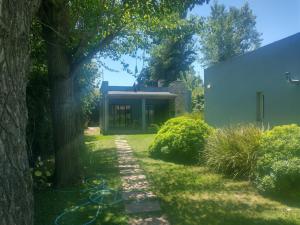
(278, 165)
(180, 139)
(233, 150)
(42, 173)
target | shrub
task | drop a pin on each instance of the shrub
(278, 165)
(180, 139)
(233, 150)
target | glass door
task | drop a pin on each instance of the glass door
(120, 116)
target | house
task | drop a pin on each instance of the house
(127, 109)
(260, 87)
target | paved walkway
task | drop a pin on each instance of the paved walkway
(140, 203)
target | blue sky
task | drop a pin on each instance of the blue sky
(276, 19)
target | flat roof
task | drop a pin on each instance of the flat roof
(141, 94)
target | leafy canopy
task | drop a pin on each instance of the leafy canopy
(110, 27)
(228, 33)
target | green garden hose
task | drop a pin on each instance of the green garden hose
(100, 195)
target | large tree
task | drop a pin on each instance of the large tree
(228, 33)
(75, 31)
(16, 200)
(170, 60)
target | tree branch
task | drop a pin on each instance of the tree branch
(77, 63)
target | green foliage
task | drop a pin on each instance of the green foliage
(87, 92)
(170, 59)
(180, 139)
(228, 33)
(233, 150)
(195, 84)
(154, 127)
(49, 202)
(194, 195)
(39, 125)
(278, 165)
(42, 173)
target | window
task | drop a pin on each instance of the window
(149, 114)
(120, 116)
(260, 106)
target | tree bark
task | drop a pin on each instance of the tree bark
(67, 138)
(16, 199)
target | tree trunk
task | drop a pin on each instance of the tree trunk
(67, 140)
(16, 200)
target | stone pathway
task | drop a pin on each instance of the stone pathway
(140, 203)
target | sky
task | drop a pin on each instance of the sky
(276, 19)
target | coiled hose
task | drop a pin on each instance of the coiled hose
(98, 194)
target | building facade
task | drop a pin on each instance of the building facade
(128, 109)
(260, 87)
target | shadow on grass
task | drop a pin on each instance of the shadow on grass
(217, 212)
(194, 196)
(91, 138)
(290, 198)
(101, 161)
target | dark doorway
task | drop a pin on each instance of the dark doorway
(120, 116)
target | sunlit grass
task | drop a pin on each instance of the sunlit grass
(101, 162)
(193, 195)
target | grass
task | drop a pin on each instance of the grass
(102, 161)
(193, 195)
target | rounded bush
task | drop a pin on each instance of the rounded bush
(180, 139)
(233, 150)
(278, 165)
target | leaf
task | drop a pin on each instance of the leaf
(48, 174)
(38, 173)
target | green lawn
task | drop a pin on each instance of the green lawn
(101, 162)
(192, 195)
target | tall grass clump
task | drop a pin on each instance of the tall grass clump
(180, 139)
(278, 165)
(233, 150)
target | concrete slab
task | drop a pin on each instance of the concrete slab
(127, 172)
(138, 199)
(134, 177)
(129, 166)
(137, 195)
(140, 185)
(142, 206)
(149, 221)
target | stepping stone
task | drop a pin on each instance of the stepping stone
(120, 150)
(149, 221)
(137, 195)
(127, 160)
(134, 177)
(128, 166)
(142, 206)
(124, 157)
(128, 172)
(141, 185)
(124, 150)
(125, 153)
(128, 154)
(130, 182)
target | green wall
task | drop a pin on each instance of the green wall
(231, 86)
